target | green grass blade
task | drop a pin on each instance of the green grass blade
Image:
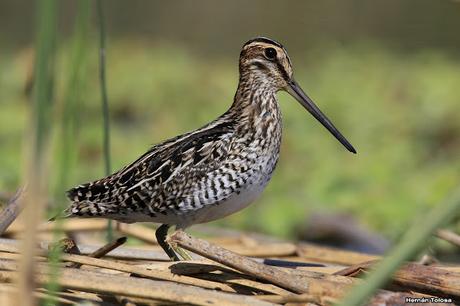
(73, 96)
(413, 241)
(67, 148)
(44, 66)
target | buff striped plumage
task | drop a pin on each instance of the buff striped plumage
(226, 162)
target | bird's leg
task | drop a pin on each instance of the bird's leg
(161, 234)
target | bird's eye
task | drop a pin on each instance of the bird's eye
(270, 53)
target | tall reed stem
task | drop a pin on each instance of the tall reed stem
(105, 103)
(34, 200)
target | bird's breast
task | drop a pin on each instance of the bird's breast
(237, 184)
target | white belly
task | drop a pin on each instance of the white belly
(233, 204)
(207, 213)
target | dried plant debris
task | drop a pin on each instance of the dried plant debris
(233, 269)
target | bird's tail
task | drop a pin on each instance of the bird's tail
(86, 200)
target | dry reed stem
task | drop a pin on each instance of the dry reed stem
(33, 210)
(297, 298)
(237, 262)
(381, 298)
(68, 225)
(427, 260)
(13, 248)
(318, 289)
(151, 273)
(102, 299)
(10, 245)
(257, 249)
(73, 294)
(439, 280)
(323, 276)
(265, 249)
(141, 288)
(190, 267)
(414, 280)
(203, 270)
(11, 291)
(200, 267)
(101, 252)
(428, 279)
(448, 236)
(331, 255)
(355, 270)
(11, 211)
(233, 278)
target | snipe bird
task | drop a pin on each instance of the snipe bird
(211, 172)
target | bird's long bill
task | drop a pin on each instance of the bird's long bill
(296, 91)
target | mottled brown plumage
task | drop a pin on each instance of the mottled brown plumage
(213, 171)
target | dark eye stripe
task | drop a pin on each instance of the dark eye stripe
(282, 70)
(260, 65)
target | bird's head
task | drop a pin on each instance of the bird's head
(268, 64)
(267, 61)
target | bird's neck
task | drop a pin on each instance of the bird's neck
(255, 97)
(256, 112)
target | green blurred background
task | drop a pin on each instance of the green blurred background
(386, 72)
